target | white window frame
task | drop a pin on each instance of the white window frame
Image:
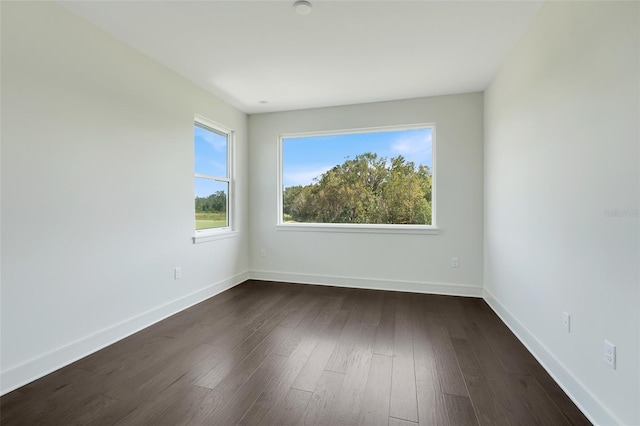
(358, 227)
(203, 235)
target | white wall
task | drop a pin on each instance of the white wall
(97, 197)
(97, 191)
(406, 262)
(561, 147)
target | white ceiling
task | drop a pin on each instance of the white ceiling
(343, 52)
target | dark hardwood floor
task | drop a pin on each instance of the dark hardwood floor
(268, 353)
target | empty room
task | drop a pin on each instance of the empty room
(320, 212)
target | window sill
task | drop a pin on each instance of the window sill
(204, 238)
(358, 228)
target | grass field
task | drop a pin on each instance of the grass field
(211, 220)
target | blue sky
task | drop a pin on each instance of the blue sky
(211, 160)
(308, 157)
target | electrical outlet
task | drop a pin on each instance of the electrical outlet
(454, 262)
(610, 354)
(263, 253)
(566, 322)
(177, 273)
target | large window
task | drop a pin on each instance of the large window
(213, 184)
(381, 177)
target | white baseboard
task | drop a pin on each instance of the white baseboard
(49, 362)
(590, 406)
(370, 283)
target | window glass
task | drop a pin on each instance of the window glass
(366, 177)
(212, 177)
(210, 151)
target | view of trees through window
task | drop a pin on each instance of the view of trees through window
(377, 177)
(211, 177)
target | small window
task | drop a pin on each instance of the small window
(374, 177)
(213, 184)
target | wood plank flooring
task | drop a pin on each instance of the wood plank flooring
(267, 353)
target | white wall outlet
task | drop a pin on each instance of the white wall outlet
(566, 322)
(610, 354)
(177, 273)
(454, 262)
(263, 253)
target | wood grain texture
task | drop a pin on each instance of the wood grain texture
(315, 365)
(399, 422)
(403, 388)
(431, 405)
(375, 407)
(387, 326)
(267, 353)
(289, 411)
(480, 391)
(357, 365)
(323, 400)
(559, 398)
(306, 336)
(460, 410)
(449, 374)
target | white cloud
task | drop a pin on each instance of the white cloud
(217, 142)
(415, 148)
(218, 168)
(303, 175)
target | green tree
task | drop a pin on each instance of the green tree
(366, 189)
(288, 197)
(216, 202)
(404, 193)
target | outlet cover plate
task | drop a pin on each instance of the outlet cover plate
(610, 354)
